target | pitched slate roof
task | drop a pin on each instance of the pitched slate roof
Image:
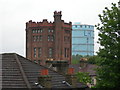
(19, 72)
(90, 68)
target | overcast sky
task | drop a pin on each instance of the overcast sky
(15, 13)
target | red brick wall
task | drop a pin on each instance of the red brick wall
(58, 45)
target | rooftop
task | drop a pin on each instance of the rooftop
(19, 72)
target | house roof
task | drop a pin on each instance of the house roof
(19, 72)
(90, 68)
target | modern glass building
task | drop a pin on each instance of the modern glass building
(82, 39)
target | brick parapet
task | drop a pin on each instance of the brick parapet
(39, 24)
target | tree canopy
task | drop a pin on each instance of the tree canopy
(108, 73)
(83, 77)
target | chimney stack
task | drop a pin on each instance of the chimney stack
(44, 79)
(71, 78)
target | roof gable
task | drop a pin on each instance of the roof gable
(12, 77)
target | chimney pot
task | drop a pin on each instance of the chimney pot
(44, 72)
(71, 71)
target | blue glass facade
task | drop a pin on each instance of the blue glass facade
(82, 39)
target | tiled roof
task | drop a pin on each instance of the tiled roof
(90, 68)
(13, 78)
(19, 72)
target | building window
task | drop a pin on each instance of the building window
(85, 33)
(34, 52)
(39, 52)
(37, 38)
(33, 31)
(66, 39)
(75, 26)
(50, 52)
(36, 31)
(48, 37)
(67, 31)
(66, 54)
(52, 38)
(50, 30)
(81, 26)
(41, 30)
(40, 38)
(34, 38)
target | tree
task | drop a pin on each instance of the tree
(83, 77)
(108, 73)
(76, 58)
(93, 59)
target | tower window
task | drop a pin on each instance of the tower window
(34, 38)
(33, 31)
(36, 31)
(52, 38)
(66, 39)
(50, 52)
(41, 30)
(48, 37)
(50, 30)
(65, 52)
(39, 52)
(34, 52)
(37, 38)
(40, 38)
(67, 31)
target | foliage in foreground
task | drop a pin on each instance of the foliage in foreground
(108, 73)
(83, 77)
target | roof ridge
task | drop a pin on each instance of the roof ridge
(22, 71)
(41, 65)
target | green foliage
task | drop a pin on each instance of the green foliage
(93, 59)
(108, 73)
(75, 61)
(76, 58)
(83, 77)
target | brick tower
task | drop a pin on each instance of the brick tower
(49, 40)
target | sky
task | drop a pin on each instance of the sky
(15, 13)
